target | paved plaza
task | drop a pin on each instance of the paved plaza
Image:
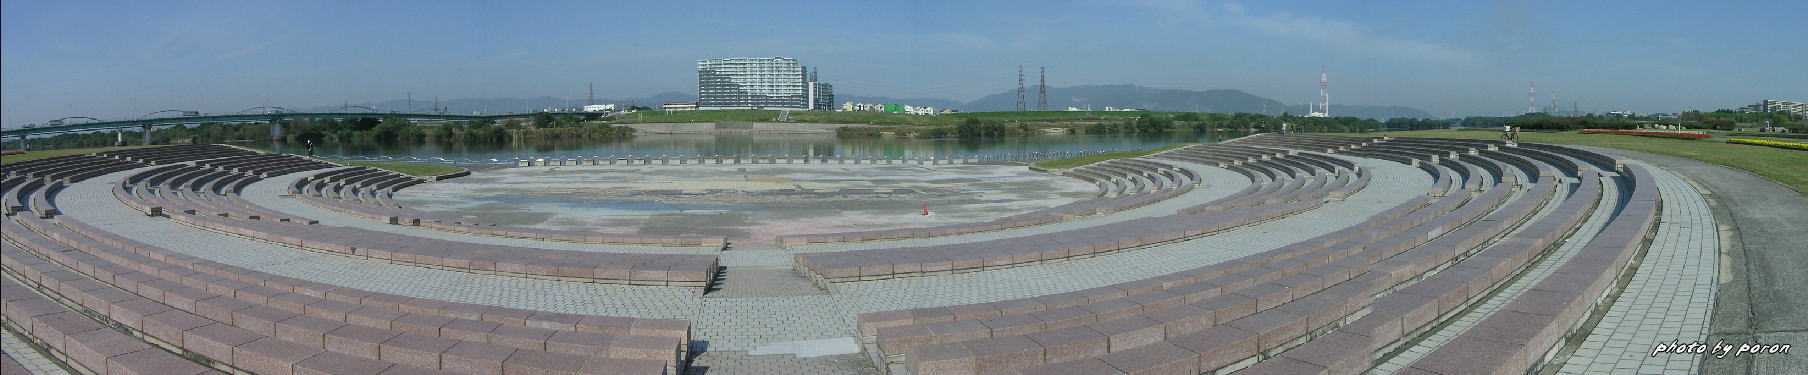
(750, 203)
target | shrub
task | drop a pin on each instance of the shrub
(1761, 142)
(1677, 135)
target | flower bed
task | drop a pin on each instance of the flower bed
(1678, 135)
(1760, 142)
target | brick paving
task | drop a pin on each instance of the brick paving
(33, 361)
(755, 282)
(1669, 298)
(727, 362)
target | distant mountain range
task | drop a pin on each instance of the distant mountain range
(1173, 100)
(1059, 98)
(507, 105)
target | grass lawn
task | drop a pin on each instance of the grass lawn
(1089, 159)
(411, 169)
(45, 154)
(1789, 167)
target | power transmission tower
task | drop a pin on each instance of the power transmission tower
(1020, 106)
(1531, 97)
(1324, 91)
(1042, 91)
(592, 94)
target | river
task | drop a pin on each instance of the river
(752, 144)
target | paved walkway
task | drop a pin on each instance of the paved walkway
(1668, 298)
(725, 326)
(1762, 294)
(33, 361)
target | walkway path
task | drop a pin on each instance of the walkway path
(1668, 298)
(1763, 274)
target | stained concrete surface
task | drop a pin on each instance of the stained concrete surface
(748, 203)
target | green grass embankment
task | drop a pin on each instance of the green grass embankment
(1782, 165)
(1077, 161)
(46, 154)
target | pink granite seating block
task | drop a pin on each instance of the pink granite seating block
(1159, 358)
(169, 326)
(606, 324)
(92, 349)
(306, 329)
(415, 350)
(151, 362)
(1182, 319)
(521, 336)
(358, 340)
(538, 362)
(1072, 343)
(335, 363)
(475, 357)
(943, 359)
(271, 356)
(1129, 332)
(217, 341)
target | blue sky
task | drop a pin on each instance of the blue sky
(122, 59)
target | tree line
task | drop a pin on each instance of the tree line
(386, 130)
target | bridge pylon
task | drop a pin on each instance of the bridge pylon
(146, 128)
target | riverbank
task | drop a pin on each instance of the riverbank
(734, 128)
(46, 154)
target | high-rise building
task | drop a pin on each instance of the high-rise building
(822, 96)
(752, 83)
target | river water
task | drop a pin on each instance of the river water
(753, 144)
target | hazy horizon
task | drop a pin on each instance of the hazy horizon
(120, 60)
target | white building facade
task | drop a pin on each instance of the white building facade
(751, 83)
